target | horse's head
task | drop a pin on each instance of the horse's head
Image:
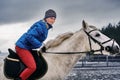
(106, 44)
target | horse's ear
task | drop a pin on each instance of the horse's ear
(84, 25)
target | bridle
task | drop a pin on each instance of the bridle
(91, 50)
(96, 41)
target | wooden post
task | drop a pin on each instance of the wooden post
(107, 61)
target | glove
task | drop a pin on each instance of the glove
(40, 48)
(43, 49)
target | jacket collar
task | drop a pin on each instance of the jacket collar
(48, 26)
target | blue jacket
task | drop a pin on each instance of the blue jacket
(35, 36)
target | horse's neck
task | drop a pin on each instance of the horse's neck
(60, 64)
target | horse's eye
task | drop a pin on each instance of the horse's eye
(97, 35)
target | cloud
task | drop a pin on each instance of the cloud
(10, 34)
(13, 11)
(96, 10)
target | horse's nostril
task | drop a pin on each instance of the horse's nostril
(108, 48)
(113, 50)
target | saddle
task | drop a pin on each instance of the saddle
(13, 65)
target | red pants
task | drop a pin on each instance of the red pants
(27, 58)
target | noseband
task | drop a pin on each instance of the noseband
(91, 50)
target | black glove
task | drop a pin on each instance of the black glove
(43, 49)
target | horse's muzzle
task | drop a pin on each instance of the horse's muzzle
(112, 49)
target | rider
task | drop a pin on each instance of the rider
(33, 39)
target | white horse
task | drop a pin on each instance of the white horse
(89, 38)
(59, 65)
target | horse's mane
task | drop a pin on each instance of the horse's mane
(58, 40)
(62, 37)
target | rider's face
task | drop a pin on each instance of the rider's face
(50, 20)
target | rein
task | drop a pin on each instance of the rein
(91, 50)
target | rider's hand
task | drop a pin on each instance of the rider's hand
(43, 49)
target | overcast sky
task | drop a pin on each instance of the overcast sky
(16, 16)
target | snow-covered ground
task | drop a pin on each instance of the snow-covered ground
(101, 73)
(95, 71)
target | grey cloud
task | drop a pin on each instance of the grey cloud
(12, 11)
(19, 10)
(94, 9)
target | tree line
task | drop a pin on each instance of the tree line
(112, 31)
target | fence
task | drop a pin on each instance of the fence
(99, 61)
